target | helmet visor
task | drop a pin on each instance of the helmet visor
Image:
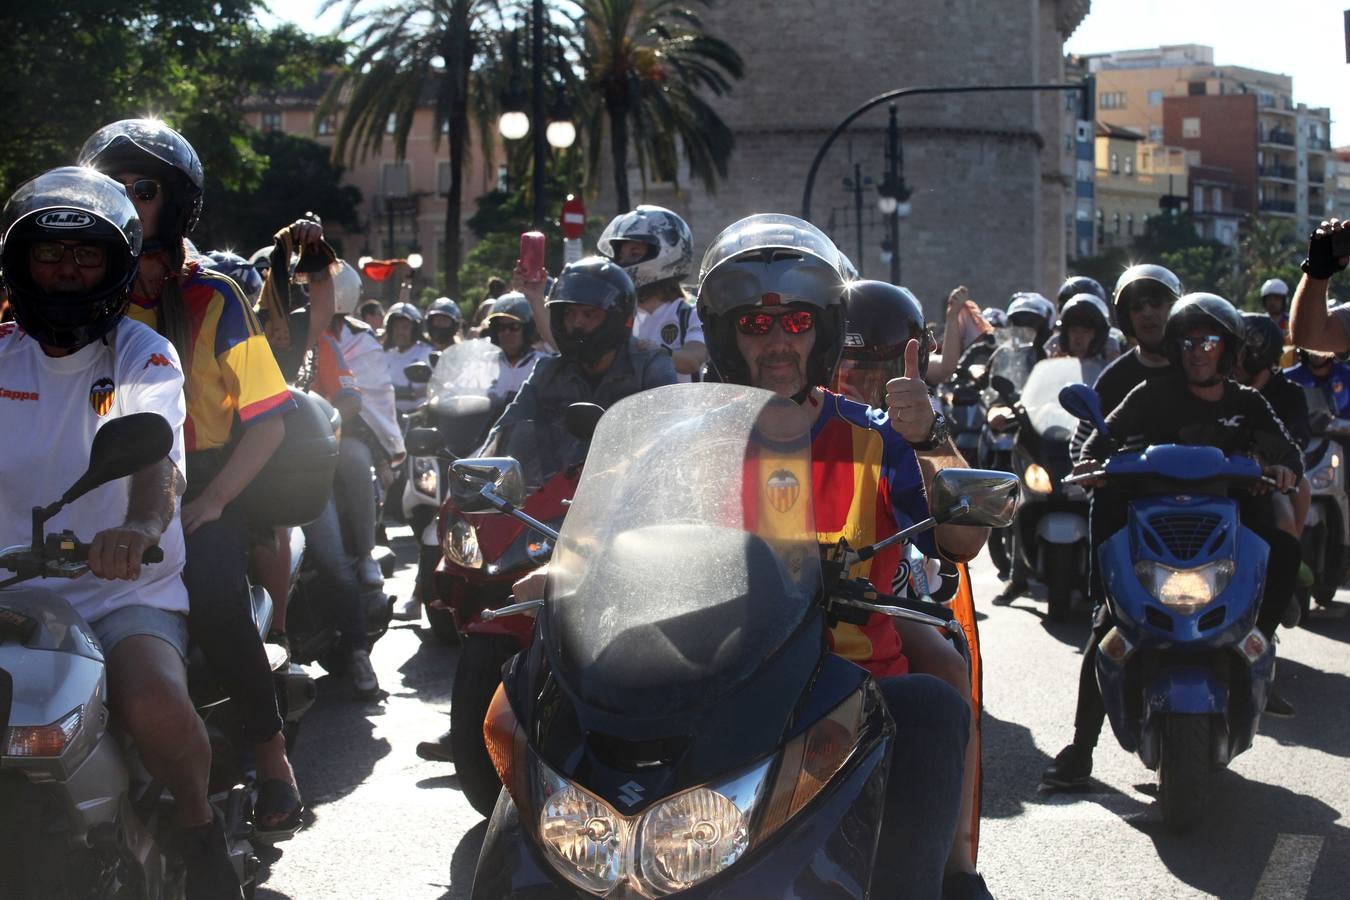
(585, 289)
(865, 380)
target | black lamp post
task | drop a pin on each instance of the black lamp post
(858, 184)
(894, 193)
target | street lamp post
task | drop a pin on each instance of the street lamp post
(894, 194)
(858, 184)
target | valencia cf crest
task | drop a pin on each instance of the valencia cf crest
(783, 489)
(101, 396)
(669, 333)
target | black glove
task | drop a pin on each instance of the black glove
(1321, 262)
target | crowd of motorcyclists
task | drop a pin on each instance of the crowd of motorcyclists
(115, 312)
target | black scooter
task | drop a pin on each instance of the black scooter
(648, 741)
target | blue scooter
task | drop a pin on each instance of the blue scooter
(1184, 672)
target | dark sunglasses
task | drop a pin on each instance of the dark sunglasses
(88, 256)
(1152, 301)
(142, 189)
(758, 324)
(1208, 343)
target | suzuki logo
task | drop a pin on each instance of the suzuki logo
(631, 793)
(65, 218)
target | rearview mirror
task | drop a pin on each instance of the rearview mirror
(974, 497)
(422, 441)
(580, 419)
(417, 373)
(502, 475)
(123, 447)
(1082, 402)
(1003, 387)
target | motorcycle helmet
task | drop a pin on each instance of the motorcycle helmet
(1032, 310)
(881, 321)
(403, 311)
(435, 325)
(1139, 281)
(670, 246)
(151, 146)
(1264, 343)
(69, 204)
(512, 306)
(238, 269)
(995, 316)
(346, 290)
(1079, 284)
(1087, 310)
(592, 281)
(1209, 311)
(771, 259)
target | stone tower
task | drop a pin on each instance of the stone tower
(991, 174)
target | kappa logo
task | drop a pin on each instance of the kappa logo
(7, 394)
(65, 218)
(156, 359)
(1231, 422)
(669, 333)
(631, 793)
(783, 489)
(101, 396)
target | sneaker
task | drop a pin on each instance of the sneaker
(206, 857)
(1278, 706)
(409, 610)
(1072, 768)
(437, 750)
(363, 674)
(368, 570)
(1010, 593)
(1293, 613)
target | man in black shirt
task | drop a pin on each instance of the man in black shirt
(1196, 404)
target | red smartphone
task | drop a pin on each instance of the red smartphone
(532, 255)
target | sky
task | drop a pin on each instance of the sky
(1304, 39)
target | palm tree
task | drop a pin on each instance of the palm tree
(645, 63)
(408, 52)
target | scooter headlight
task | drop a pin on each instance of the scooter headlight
(689, 838)
(1185, 590)
(583, 837)
(1038, 480)
(426, 475)
(460, 544)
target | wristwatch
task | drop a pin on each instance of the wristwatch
(938, 436)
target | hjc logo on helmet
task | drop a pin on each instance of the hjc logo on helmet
(65, 218)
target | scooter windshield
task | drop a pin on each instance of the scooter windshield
(1014, 354)
(464, 376)
(689, 553)
(1040, 395)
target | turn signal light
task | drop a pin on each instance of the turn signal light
(1253, 646)
(811, 760)
(505, 742)
(1115, 646)
(43, 740)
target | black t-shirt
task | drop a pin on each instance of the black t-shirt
(1164, 411)
(1291, 405)
(1122, 375)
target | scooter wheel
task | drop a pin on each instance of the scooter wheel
(1184, 771)
(442, 623)
(477, 674)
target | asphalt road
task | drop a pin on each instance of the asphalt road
(387, 824)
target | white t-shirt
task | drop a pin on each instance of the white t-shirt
(50, 409)
(365, 357)
(662, 326)
(397, 360)
(510, 376)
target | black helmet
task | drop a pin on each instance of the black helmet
(69, 204)
(593, 281)
(149, 144)
(511, 306)
(770, 259)
(1141, 281)
(238, 269)
(882, 320)
(1264, 343)
(1088, 310)
(1205, 311)
(1079, 284)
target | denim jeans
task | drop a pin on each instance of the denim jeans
(923, 791)
(354, 491)
(337, 576)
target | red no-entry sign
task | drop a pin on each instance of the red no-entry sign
(573, 218)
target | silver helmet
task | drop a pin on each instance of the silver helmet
(670, 246)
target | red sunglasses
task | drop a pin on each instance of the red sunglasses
(798, 321)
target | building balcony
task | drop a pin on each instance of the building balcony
(1279, 207)
(1319, 145)
(1274, 170)
(1279, 138)
(1316, 176)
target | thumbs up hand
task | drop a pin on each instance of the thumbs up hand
(907, 400)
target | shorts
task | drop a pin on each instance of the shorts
(120, 624)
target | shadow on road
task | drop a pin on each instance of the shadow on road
(1012, 768)
(430, 671)
(1321, 699)
(326, 776)
(1074, 632)
(464, 861)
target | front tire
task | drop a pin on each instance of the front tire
(442, 623)
(477, 675)
(1060, 575)
(1184, 771)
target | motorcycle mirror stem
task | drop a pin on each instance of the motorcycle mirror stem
(1082, 402)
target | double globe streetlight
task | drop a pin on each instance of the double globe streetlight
(558, 131)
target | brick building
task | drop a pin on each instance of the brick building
(992, 175)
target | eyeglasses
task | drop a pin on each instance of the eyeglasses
(142, 189)
(87, 256)
(758, 324)
(1208, 343)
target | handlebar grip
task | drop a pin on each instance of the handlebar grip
(153, 555)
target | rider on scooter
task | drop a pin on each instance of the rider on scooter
(772, 297)
(70, 361)
(403, 346)
(510, 325)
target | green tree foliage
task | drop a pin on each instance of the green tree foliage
(645, 65)
(79, 64)
(300, 177)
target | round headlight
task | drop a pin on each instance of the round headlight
(461, 544)
(583, 837)
(689, 838)
(1038, 480)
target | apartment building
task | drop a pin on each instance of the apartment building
(1135, 180)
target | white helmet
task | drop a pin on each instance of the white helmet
(346, 290)
(670, 246)
(1275, 286)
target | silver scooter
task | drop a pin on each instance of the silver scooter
(1326, 530)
